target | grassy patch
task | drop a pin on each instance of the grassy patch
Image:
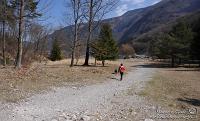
(16, 85)
(169, 86)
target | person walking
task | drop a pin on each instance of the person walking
(121, 70)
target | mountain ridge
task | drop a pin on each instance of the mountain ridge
(134, 23)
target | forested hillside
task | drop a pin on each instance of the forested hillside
(134, 24)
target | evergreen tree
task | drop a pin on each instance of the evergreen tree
(175, 44)
(105, 48)
(55, 52)
(195, 44)
(167, 48)
(182, 35)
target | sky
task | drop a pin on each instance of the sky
(53, 10)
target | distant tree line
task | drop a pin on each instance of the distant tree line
(21, 37)
(24, 40)
(182, 42)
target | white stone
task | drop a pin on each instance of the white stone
(86, 118)
(148, 120)
(54, 120)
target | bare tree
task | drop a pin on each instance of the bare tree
(95, 11)
(35, 42)
(127, 50)
(25, 9)
(20, 36)
(36, 33)
(76, 7)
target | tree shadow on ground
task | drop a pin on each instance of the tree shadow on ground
(186, 70)
(167, 65)
(91, 66)
(153, 65)
(191, 101)
(64, 66)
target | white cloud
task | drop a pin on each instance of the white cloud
(155, 2)
(121, 9)
(133, 1)
(124, 7)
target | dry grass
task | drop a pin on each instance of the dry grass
(19, 84)
(177, 87)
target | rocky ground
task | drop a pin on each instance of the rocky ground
(107, 100)
(110, 100)
(16, 85)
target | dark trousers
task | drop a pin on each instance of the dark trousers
(121, 74)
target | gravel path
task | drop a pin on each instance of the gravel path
(111, 100)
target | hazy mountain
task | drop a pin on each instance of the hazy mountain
(135, 23)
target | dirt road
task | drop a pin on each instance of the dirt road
(111, 100)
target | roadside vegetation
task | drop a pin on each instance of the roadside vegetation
(174, 87)
(180, 44)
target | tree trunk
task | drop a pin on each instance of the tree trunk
(77, 61)
(74, 43)
(180, 61)
(37, 47)
(76, 8)
(87, 55)
(95, 61)
(20, 35)
(172, 61)
(103, 62)
(3, 34)
(72, 59)
(4, 44)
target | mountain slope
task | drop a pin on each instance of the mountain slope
(135, 23)
(146, 19)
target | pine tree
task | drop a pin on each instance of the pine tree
(183, 35)
(55, 52)
(195, 44)
(167, 47)
(105, 48)
(175, 44)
